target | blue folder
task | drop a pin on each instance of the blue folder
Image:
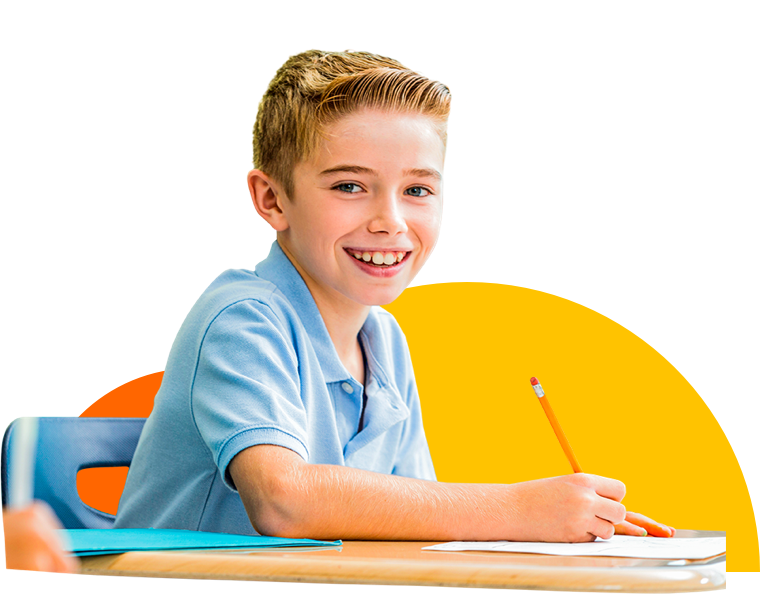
(81, 542)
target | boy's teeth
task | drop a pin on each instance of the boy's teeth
(380, 258)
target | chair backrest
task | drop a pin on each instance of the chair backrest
(65, 446)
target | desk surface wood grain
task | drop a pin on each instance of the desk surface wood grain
(405, 563)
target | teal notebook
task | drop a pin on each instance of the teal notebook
(121, 540)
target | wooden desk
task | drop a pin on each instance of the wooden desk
(405, 563)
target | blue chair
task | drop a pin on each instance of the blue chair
(65, 446)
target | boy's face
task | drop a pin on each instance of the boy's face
(373, 191)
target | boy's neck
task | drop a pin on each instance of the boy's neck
(343, 319)
(343, 325)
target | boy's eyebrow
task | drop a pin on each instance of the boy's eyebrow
(423, 173)
(348, 169)
(419, 172)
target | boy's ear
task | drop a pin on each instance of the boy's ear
(267, 199)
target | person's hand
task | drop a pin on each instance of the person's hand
(638, 525)
(31, 542)
(572, 508)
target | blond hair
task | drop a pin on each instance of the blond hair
(315, 88)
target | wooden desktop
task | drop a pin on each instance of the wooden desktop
(405, 563)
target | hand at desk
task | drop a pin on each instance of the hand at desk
(635, 523)
(31, 541)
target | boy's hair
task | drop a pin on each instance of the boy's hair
(315, 88)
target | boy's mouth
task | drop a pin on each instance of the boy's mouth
(381, 259)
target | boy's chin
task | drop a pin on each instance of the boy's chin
(379, 297)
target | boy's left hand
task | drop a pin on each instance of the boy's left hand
(638, 525)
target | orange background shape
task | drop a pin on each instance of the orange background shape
(101, 487)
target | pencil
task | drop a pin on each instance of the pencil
(22, 455)
(544, 400)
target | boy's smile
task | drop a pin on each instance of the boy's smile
(366, 210)
(378, 263)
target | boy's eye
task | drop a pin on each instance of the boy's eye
(349, 188)
(417, 191)
(352, 188)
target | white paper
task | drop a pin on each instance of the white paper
(646, 547)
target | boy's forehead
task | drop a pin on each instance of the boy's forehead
(406, 140)
(374, 123)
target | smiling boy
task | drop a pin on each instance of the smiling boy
(362, 223)
(288, 405)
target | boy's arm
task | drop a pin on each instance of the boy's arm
(285, 496)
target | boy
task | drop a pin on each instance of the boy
(288, 405)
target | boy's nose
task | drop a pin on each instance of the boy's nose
(388, 217)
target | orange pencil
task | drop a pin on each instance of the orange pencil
(544, 400)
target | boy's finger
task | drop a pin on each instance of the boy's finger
(652, 527)
(628, 529)
(607, 487)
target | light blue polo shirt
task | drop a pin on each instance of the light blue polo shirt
(254, 364)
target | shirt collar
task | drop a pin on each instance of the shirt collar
(278, 269)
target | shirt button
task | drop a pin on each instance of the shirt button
(347, 388)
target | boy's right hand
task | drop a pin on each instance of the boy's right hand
(572, 508)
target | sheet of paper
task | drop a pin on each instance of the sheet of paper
(114, 540)
(646, 547)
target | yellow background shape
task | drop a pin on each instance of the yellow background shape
(627, 412)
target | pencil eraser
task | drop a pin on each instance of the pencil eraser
(533, 381)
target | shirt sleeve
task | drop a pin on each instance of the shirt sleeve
(246, 389)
